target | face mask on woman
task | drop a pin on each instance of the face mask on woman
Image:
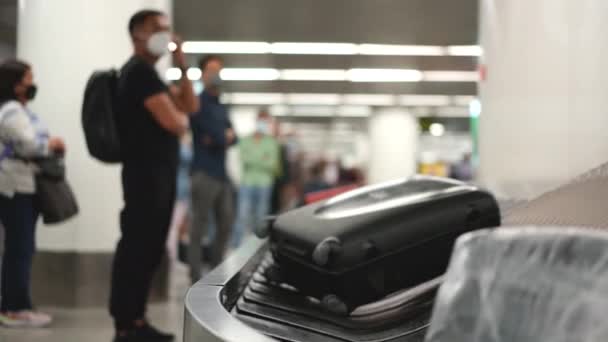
(30, 92)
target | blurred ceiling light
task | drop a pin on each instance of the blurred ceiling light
(462, 100)
(369, 99)
(352, 75)
(384, 75)
(279, 110)
(230, 47)
(453, 112)
(227, 47)
(313, 48)
(400, 50)
(249, 74)
(194, 74)
(172, 46)
(354, 111)
(424, 100)
(451, 76)
(317, 111)
(313, 75)
(437, 129)
(173, 74)
(255, 98)
(465, 50)
(314, 99)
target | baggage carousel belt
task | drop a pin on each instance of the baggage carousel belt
(279, 311)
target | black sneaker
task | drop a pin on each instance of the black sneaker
(145, 333)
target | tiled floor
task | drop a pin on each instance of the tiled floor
(94, 325)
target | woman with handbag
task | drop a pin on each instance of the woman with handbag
(22, 138)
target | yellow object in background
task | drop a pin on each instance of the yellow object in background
(439, 169)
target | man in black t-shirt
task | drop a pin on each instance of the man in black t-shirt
(150, 118)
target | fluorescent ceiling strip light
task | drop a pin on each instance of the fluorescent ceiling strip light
(463, 100)
(313, 75)
(400, 50)
(316, 111)
(314, 48)
(384, 75)
(255, 98)
(348, 100)
(230, 47)
(424, 100)
(227, 47)
(314, 99)
(173, 74)
(352, 75)
(369, 99)
(194, 74)
(465, 50)
(249, 74)
(354, 111)
(451, 76)
(279, 110)
(453, 112)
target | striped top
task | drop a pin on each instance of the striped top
(22, 135)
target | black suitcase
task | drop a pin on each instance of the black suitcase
(363, 245)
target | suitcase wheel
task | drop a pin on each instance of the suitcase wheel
(263, 230)
(335, 305)
(325, 249)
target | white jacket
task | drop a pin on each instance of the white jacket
(21, 136)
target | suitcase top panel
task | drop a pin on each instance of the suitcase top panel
(390, 195)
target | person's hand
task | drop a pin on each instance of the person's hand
(179, 58)
(230, 136)
(57, 145)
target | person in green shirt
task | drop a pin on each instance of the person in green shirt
(259, 165)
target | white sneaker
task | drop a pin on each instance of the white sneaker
(26, 319)
(5, 320)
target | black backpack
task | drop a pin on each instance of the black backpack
(99, 116)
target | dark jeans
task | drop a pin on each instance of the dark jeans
(209, 196)
(18, 216)
(149, 195)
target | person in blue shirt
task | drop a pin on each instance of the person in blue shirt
(212, 191)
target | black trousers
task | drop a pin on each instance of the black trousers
(149, 195)
(18, 216)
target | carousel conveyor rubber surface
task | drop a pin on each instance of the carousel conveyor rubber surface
(236, 302)
(277, 310)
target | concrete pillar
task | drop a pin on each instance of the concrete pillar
(545, 109)
(65, 41)
(393, 135)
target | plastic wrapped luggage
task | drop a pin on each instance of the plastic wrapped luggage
(531, 284)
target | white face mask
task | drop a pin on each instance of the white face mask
(158, 43)
(263, 127)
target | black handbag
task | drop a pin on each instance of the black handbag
(54, 197)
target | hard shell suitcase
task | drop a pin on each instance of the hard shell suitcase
(365, 244)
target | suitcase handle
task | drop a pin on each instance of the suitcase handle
(262, 231)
